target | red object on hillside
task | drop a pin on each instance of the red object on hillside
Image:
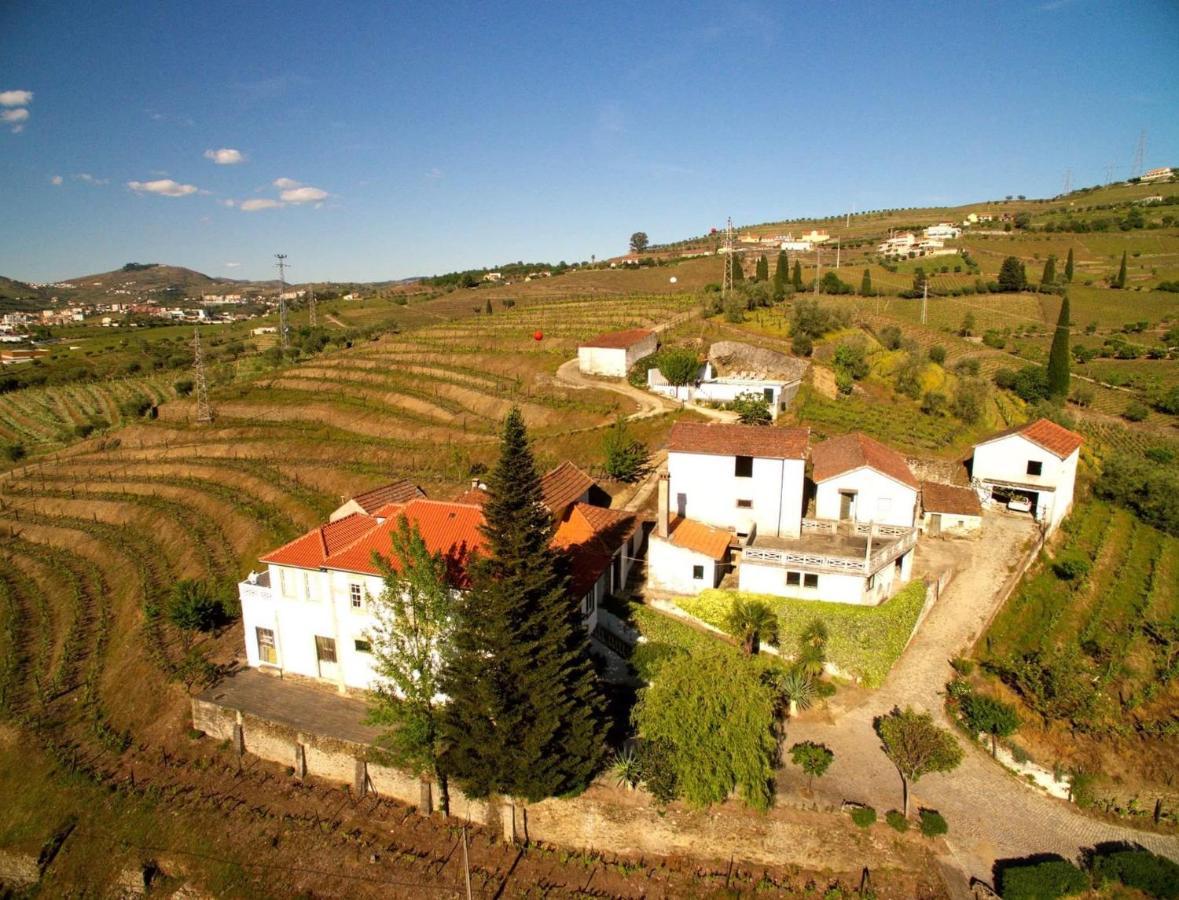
(538, 335)
(712, 231)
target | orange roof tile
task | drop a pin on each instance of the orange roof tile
(562, 486)
(619, 340)
(947, 498)
(400, 491)
(1045, 433)
(762, 441)
(310, 550)
(589, 536)
(472, 496)
(689, 534)
(856, 451)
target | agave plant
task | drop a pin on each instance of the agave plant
(626, 768)
(798, 689)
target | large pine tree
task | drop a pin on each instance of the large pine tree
(525, 715)
(1048, 277)
(781, 271)
(738, 272)
(1068, 266)
(797, 275)
(1058, 355)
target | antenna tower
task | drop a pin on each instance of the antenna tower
(1068, 181)
(283, 328)
(204, 412)
(1139, 155)
(730, 249)
(311, 320)
(1109, 170)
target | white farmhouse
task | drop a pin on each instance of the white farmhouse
(738, 477)
(684, 556)
(308, 613)
(947, 509)
(897, 244)
(1161, 174)
(614, 353)
(858, 479)
(943, 231)
(1034, 465)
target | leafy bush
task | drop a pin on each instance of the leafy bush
(656, 771)
(193, 606)
(1041, 880)
(890, 337)
(937, 354)
(1154, 875)
(183, 387)
(679, 367)
(864, 816)
(135, 408)
(1150, 491)
(14, 452)
(1073, 567)
(896, 820)
(625, 455)
(962, 665)
(751, 408)
(1135, 412)
(933, 823)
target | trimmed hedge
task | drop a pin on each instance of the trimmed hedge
(1154, 875)
(864, 816)
(667, 637)
(1042, 881)
(863, 640)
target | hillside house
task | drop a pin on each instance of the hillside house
(1161, 174)
(685, 556)
(897, 244)
(1031, 467)
(711, 388)
(858, 479)
(308, 612)
(949, 510)
(943, 231)
(816, 237)
(614, 353)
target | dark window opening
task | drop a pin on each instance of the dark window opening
(363, 646)
(810, 581)
(793, 578)
(1035, 467)
(744, 504)
(744, 467)
(698, 573)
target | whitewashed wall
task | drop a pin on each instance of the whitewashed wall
(669, 568)
(879, 498)
(1006, 459)
(711, 491)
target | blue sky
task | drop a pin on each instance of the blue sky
(382, 140)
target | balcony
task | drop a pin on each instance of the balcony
(848, 548)
(255, 587)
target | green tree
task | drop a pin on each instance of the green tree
(738, 272)
(638, 242)
(762, 273)
(751, 408)
(1120, 281)
(967, 328)
(1058, 355)
(716, 717)
(1011, 276)
(679, 367)
(193, 606)
(625, 455)
(797, 275)
(525, 717)
(916, 746)
(410, 641)
(919, 280)
(1048, 278)
(866, 283)
(990, 716)
(781, 272)
(1068, 266)
(487, 307)
(814, 759)
(797, 689)
(752, 621)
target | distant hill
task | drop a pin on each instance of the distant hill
(16, 296)
(142, 281)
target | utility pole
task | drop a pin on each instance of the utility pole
(1139, 155)
(1109, 170)
(204, 413)
(924, 298)
(283, 337)
(818, 266)
(838, 247)
(1068, 181)
(311, 320)
(466, 863)
(727, 286)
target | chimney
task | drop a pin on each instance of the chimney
(661, 521)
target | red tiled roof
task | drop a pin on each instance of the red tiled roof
(312, 549)
(698, 537)
(590, 535)
(400, 491)
(1045, 433)
(562, 486)
(762, 441)
(472, 496)
(855, 451)
(619, 340)
(947, 498)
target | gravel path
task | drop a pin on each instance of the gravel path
(992, 814)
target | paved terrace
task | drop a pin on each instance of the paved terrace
(309, 708)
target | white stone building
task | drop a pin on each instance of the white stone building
(614, 353)
(1034, 465)
(943, 231)
(859, 479)
(949, 510)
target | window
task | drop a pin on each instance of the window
(810, 581)
(1035, 467)
(743, 467)
(284, 584)
(697, 573)
(307, 585)
(356, 596)
(871, 582)
(793, 579)
(744, 504)
(591, 602)
(325, 649)
(267, 653)
(768, 393)
(362, 646)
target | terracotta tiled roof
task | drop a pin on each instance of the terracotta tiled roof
(310, 550)
(1045, 433)
(563, 485)
(946, 498)
(855, 451)
(473, 496)
(590, 535)
(619, 340)
(401, 491)
(689, 534)
(762, 441)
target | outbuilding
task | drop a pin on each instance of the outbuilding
(949, 510)
(859, 479)
(614, 353)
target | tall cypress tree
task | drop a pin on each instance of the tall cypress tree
(1048, 278)
(1068, 266)
(781, 270)
(738, 272)
(762, 272)
(525, 716)
(1058, 361)
(866, 283)
(797, 275)
(1121, 281)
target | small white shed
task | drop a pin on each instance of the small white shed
(859, 479)
(614, 353)
(947, 509)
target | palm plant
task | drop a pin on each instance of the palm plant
(798, 689)
(752, 621)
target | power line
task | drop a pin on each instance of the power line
(204, 412)
(727, 286)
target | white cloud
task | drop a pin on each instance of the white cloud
(434, 173)
(285, 184)
(90, 179)
(165, 187)
(257, 203)
(303, 195)
(226, 156)
(229, 202)
(14, 116)
(16, 98)
(232, 265)
(56, 179)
